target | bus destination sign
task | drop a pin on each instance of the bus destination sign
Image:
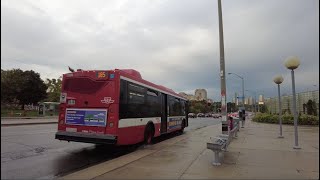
(102, 74)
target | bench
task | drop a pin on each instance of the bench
(221, 143)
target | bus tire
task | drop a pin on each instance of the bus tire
(148, 134)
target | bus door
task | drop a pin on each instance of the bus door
(164, 113)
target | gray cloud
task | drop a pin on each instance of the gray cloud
(174, 43)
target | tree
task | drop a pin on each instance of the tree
(11, 84)
(216, 107)
(231, 107)
(54, 89)
(200, 107)
(24, 87)
(310, 108)
(263, 108)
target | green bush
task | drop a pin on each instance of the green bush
(286, 119)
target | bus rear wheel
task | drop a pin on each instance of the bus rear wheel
(148, 135)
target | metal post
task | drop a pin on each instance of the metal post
(280, 112)
(222, 74)
(243, 92)
(294, 110)
(244, 115)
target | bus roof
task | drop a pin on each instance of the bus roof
(136, 76)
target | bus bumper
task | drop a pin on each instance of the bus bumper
(86, 137)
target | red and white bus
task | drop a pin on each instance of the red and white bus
(117, 107)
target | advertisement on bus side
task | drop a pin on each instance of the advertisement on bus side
(174, 122)
(86, 117)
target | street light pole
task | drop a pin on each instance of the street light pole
(223, 93)
(296, 145)
(278, 80)
(242, 92)
(293, 63)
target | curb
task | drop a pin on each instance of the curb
(21, 124)
(40, 117)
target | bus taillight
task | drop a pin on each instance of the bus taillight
(61, 115)
(61, 118)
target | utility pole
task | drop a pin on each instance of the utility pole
(222, 75)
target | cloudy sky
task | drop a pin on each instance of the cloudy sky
(174, 43)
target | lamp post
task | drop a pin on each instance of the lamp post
(278, 80)
(292, 63)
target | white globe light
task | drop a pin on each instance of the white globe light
(292, 62)
(278, 79)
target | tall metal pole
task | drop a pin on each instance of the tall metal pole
(280, 112)
(222, 74)
(242, 93)
(243, 108)
(295, 118)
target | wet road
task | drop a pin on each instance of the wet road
(31, 152)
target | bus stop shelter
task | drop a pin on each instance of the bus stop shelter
(49, 108)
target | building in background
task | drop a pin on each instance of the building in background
(261, 99)
(200, 94)
(250, 101)
(303, 101)
(190, 97)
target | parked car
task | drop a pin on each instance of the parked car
(208, 115)
(192, 115)
(200, 115)
(215, 115)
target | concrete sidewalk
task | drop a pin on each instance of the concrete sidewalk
(28, 120)
(257, 153)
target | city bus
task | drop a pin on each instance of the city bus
(117, 107)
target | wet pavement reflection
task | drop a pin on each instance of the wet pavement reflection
(31, 152)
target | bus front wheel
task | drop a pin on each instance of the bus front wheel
(148, 134)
